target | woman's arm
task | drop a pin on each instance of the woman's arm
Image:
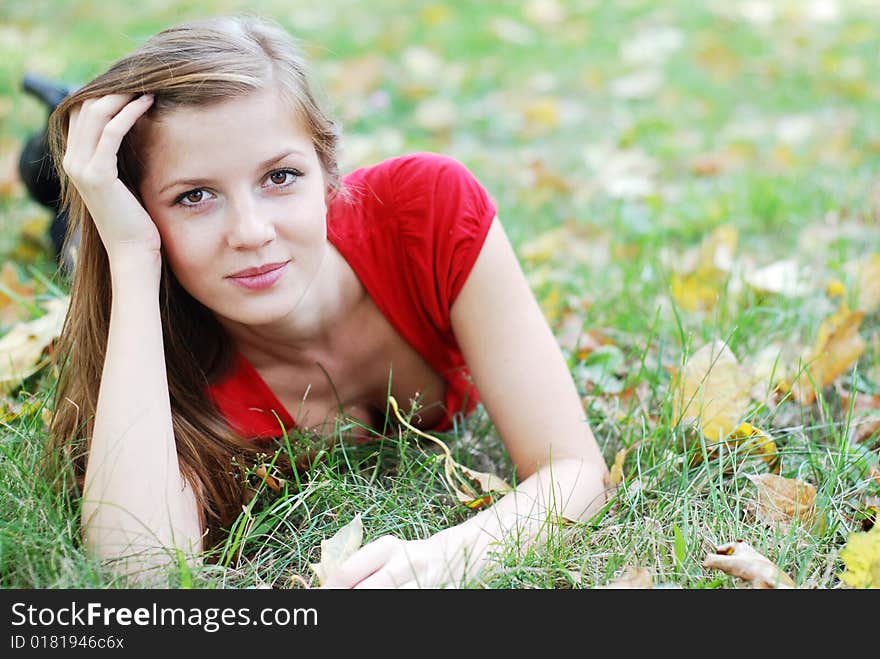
(135, 502)
(528, 391)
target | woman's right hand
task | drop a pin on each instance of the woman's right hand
(97, 128)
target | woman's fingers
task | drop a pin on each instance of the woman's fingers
(97, 128)
(91, 118)
(117, 128)
(363, 563)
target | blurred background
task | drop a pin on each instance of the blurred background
(615, 137)
(672, 175)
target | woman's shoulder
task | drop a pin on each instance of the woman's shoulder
(419, 192)
(408, 168)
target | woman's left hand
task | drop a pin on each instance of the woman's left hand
(444, 560)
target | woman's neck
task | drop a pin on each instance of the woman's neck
(331, 301)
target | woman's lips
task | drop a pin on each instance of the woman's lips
(263, 280)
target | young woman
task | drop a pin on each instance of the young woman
(227, 274)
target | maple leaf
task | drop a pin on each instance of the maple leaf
(861, 555)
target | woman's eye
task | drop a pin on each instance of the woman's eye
(192, 199)
(284, 177)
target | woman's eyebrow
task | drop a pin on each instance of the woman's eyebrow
(203, 181)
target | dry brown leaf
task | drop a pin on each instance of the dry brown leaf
(865, 413)
(740, 560)
(10, 310)
(22, 347)
(632, 578)
(338, 548)
(781, 501)
(719, 162)
(712, 390)
(838, 346)
(274, 483)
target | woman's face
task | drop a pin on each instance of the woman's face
(236, 186)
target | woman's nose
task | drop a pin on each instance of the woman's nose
(248, 226)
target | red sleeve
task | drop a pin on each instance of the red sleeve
(444, 216)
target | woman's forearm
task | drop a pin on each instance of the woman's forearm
(571, 489)
(135, 500)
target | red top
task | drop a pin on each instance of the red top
(411, 230)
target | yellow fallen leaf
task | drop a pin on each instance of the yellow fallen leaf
(749, 438)
(781, 501)
(11, 311)
(22, 347)
(712, 391)
(739, 559)
(838, 346)
(615, 476)
(336, 549)
(861, 555)
(704, 273)
(474, 489)
(835, 288)
(11, 410)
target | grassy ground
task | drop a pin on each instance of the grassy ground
(638, 129)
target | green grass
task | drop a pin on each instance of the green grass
(793, 100)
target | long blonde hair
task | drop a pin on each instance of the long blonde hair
(193, 64)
